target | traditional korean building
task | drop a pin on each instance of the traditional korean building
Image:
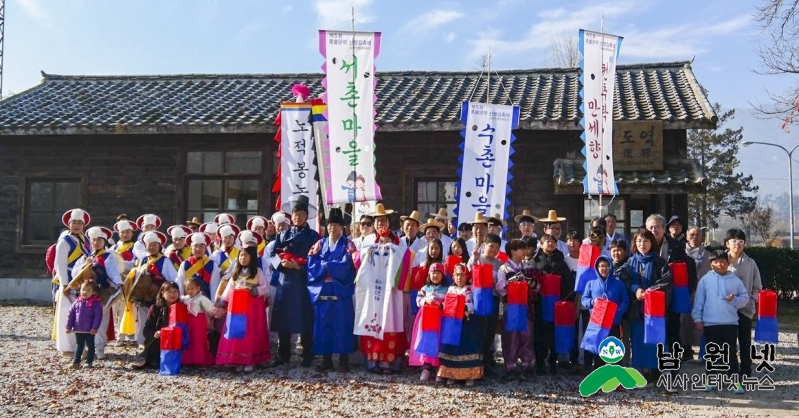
(195, 145)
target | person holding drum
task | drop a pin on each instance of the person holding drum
(106, 272)
(69, 252)
(147, 277)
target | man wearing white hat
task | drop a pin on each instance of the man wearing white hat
(158, 267)
(124, 247)
(105, 266)
(69, 251)
(146, 223)
(200, 266)
(178, 251)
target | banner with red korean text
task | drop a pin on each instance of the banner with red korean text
(350, 97)
(598, 78)
(297, 156)
(485, 162)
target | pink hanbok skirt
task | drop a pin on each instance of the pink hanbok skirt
(198, 353)
(415, 359)
(254, 347)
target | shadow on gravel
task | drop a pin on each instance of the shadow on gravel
(22, 337)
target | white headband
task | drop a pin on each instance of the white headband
(279, 218)
(149, 220)
(77, 215)
(247, 236)
(151, 237)
(96, 232)
(198, 238)
(226, 230)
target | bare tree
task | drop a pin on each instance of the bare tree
(482, 63)
(760, 221)
(563, 50)
(778, 48)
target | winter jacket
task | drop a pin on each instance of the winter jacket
(556, 264)
(711, 307)
(609, 288)
(85, 315)
(746, 269)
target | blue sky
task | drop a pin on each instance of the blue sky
(266, 36)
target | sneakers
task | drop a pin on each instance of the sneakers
(470, 383)
(439, 380)
(248, 369)
(240, 368)
(739, 389)
(100, 354)
(89, 366)
(425, 376)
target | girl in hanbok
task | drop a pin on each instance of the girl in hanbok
(198, 353)
(463, 362)
(379, 303)
(432, 293)
(157, 318)
(254, 347)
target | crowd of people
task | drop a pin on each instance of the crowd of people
(363, 288)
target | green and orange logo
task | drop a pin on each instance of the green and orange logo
(610, 376)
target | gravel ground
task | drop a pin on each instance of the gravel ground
(38, 381)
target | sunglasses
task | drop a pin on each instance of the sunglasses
(366, 223)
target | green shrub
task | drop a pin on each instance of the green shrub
(779, 269)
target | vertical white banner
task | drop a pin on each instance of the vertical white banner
(297, 156)
(350, 97)
(485, 163)
(600, 52)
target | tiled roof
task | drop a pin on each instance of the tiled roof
(678, 176)
(407, 100)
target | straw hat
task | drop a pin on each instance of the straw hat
(498, 218)
(479, 219)
(431, 222)
(525, 214)
(380, 210)
(441, 215)
(552, 217)
(414, 216)
(195, 221)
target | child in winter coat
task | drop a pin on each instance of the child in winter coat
(157, 318)
(84, 319)
(516, 344)
(719, 296)
(605, 286)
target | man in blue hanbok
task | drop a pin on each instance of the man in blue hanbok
(331, 276)
(292, 311)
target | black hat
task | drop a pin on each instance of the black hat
(299, 202)
(335, 217)
(673, 219)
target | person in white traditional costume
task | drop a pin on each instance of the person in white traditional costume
(211, 229)
(178, 251)
(199, 266)
(379, 317)
(157, 267)
(225, 257)
(146, 223)
(107, 269)
(410, 227)
(526, 222)
(70, 251)
(479, 232)
(124, 247)
(367, 235)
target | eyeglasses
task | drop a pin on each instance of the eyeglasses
(366, 224)
(736, 241)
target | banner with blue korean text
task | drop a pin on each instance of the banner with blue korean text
(350, 97)
(299, 173)
(485, 162)
(598, 78)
